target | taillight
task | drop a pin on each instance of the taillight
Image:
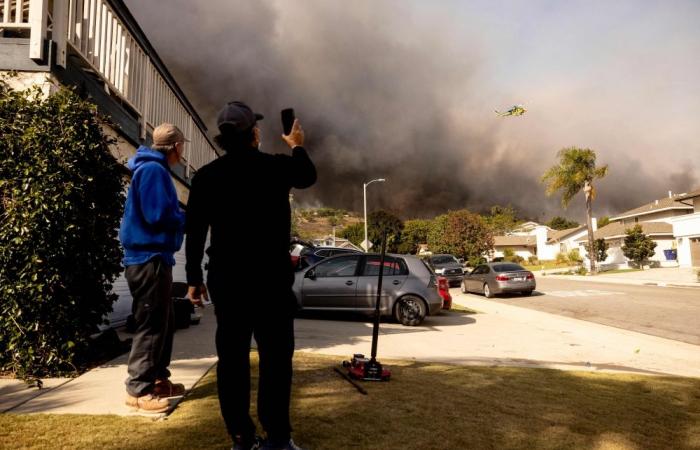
(442, 284)
(502, 278)
(530, 276)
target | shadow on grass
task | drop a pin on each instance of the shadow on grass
(425, 406)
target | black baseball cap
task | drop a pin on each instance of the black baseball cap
(237, 116)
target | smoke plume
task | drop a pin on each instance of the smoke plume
(406, 91)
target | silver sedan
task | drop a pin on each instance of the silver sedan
(499, 278)
(349, 283)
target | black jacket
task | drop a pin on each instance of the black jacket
(244, 197)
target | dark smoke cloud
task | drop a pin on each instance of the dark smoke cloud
(390, 90)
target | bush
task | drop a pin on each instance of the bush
(562, 258)
(532, 260)
(574, 256)
(62, 199)
(508, 253)
(581, 271)
(475, 261)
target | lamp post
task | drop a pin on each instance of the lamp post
(364, 196)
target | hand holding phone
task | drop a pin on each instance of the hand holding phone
(287, 120)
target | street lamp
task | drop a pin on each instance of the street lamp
(364, 195)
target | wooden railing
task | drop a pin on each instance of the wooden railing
(95, 32)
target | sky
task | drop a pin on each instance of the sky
(406, 90)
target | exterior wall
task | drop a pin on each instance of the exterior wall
(662, 216)
(684, 229)
(541, 237)
(24, 80)
(551, 250)
(616, 257)
(524, 252)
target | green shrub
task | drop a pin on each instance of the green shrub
(532, 260)
(562, 258)
(61, 195)
(574, 256)
(508, 253)
(581, 271)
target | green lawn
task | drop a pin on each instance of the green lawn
(548, 265)
(425, 406)
(609, 272)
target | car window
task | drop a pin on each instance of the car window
(508, 268)
(343, 266)
(443, 259)
(305, 251)
(392, 266)
(323, 253)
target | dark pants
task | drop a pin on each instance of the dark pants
(268, 315)
(150, 285)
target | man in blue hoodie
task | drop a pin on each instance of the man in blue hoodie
(151, 232)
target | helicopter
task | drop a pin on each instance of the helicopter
(517, 110)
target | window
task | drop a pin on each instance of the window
(392, 267)
(344, 266)
(507, 268)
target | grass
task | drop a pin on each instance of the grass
(459, 309)
(548, 265)
(425, 406)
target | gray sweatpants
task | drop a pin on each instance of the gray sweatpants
(150, 285)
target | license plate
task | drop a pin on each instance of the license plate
(518, 279)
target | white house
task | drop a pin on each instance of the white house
(532, 239)
(686, 231)
(661, 220)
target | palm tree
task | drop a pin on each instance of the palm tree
(576, 171)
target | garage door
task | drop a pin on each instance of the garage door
(695, 252)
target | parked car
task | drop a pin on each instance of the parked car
(448, 266)
(498, 278)
(305, 254)
(349, 283)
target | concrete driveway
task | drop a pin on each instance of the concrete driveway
(503, 334)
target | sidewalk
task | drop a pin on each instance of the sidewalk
(669, 277)
(101, 390)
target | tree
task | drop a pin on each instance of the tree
(600, 248)
(354, 233)
(603, 221)
(460, 233)
(380, 221)
(61, 200)
(561, 223)
(414, 232)
(638, 247)
(576, 171)
(502, 219)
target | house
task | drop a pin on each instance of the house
(686, 231)
(661, 220)
(332, 241)
(98, 48)
(534, 240)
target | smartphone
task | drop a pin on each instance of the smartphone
(287, 120)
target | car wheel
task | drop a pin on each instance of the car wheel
(487, 291)
(527, 293)
(464, 288)
(410, 310)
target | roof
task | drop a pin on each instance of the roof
(515, 241)
(617, 230)
(689, 195)
(663, 204)
(559, 235)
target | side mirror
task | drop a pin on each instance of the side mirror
(311, 274)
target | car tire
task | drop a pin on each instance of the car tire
(463, 286)
(410, 310)
(527, 293)
(487, 291)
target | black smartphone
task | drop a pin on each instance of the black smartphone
(287, 120)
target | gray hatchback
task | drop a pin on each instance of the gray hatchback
(349, 283)
(498, 278)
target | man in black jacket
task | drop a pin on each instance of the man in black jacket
(243, 197)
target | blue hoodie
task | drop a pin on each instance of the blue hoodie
(153, 223)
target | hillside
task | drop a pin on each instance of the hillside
(316, 223)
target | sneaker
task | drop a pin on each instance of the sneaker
(147, 403)
(288, 446)
(166, 388)
(239, 444)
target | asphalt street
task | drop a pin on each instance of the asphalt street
(672, 313)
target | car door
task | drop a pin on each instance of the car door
(475, 279)
(331, 284)
(394, 276)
